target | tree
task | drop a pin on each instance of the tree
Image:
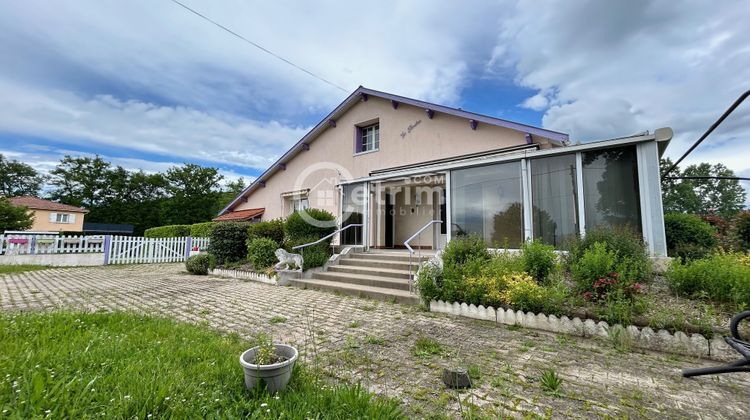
(81, 181)
(14, 217)
(18, 178)
(194, 192)
(230, 191)
(702, 196)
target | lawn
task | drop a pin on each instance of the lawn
(122, 365)
(10, 269)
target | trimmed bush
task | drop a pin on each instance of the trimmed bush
(200, 264)
(720, 277)
(170, 231)
(539, 260)
(689, 236)
(631, 256)
(596, 263)
(272, 229)
(741, 230)
(202, 230)
(229, 241)
(261, 252)
(296, 227)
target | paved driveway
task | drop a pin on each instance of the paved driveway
(373, 343)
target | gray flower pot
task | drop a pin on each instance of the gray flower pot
(275, 376)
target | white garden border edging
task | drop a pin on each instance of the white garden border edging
(644, 338)
(243, 275)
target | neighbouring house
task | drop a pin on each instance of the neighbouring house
(50, 216)
(396, 165)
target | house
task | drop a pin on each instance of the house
(396, 166)
(50, 216)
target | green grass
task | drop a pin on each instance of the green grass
(425, 347)
(121, 365)
(277, 320)
(10, 269)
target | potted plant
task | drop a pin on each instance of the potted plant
(270, 362)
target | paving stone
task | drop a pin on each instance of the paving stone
(598, 380)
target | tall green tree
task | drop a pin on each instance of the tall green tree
(702, 196)
(18, 178)
(193, 193)
(14, 217)
(81, 181)
(230, 191)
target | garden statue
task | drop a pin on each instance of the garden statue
(288, 261)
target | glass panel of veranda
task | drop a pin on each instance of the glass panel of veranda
(554, 199)
(353, 210)
(487, 201)
(610, 189)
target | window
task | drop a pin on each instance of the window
(554, 199)
(299, 203)
(368, 138)
(62, 218)
(610, 188)
(487, 201)
(353, 210)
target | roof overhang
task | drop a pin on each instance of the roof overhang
(361, 94)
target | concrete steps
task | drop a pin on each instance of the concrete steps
(382, 275)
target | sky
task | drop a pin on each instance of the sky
(147, 85)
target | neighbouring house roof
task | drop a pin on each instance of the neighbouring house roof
(240, 215)
(35, 203)
(361, 94)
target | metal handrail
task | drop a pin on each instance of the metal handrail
(411, 250)
(327, 236)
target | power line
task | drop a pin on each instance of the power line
(258, 46)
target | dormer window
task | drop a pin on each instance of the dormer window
(368, 138)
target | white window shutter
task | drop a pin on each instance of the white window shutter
(53, 217)
(72, 218)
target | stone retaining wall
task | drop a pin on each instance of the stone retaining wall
(243, 275)
(645, 338)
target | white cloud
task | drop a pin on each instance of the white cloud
(177, 132)
(610, 69)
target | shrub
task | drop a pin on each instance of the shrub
(229, 241)
(429, 283)
(314, 255)
(741, 230)
(720, 277)
(201, 230)
(272, 229)
(261, 252)
(296, 227)
(523, 293)
(170, 231)
(595, 263)
(539, 260)
(631, 256)
(200, 264)
(689, 236)
(463, 249)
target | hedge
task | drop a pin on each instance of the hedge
(229, 242)
(272, 229)
(689, 236)
(297, 226)
(201, 230)
(170, 231)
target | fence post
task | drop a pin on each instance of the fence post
(32, 245)
(107, 246)
(188, 246)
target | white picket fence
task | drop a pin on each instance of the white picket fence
(116, 249)
(137, 250)
(50, 244)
